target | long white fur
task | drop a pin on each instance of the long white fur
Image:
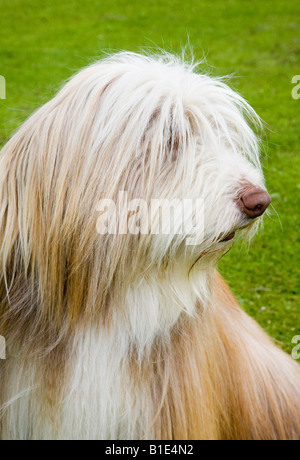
(191, 132)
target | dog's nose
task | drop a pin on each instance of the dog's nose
(253, 201)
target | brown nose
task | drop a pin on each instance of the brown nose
(253, 201)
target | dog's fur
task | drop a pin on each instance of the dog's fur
(133, 336)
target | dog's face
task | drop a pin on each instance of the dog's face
(173, 135)
(233, 194)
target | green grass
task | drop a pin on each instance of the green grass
(43, 42)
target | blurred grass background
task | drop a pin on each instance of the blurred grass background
(44, 42)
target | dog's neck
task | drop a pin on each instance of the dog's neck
(155, 303)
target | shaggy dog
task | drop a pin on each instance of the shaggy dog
(125, 334)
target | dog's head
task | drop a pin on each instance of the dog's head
(181, 162)
(88, 183)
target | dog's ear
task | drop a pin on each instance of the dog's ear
(9, 199)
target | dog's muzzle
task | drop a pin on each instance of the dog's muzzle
(252, 202)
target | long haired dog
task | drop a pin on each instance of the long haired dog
(133, 334)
